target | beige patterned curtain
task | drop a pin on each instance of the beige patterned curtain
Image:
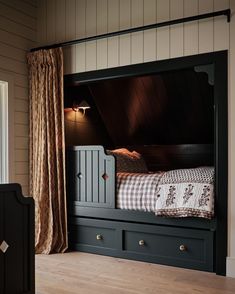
(47, 149)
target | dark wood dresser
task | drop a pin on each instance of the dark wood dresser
(17, 262)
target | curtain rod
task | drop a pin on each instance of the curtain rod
(226, 12)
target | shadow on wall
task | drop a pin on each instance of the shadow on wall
(85, 129)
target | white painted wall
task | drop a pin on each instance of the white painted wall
(61, 20)
(17, 35)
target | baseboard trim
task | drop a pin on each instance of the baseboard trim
(230, 272)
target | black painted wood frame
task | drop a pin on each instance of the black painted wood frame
(24, 206)
(219, 224)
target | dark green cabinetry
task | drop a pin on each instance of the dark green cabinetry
(16, 241)
(184, 247)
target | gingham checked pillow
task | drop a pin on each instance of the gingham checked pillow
(127, 161)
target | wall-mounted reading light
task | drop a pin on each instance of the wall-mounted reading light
(81, 106)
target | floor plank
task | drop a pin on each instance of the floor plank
(76, 272)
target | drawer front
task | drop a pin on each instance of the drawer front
(92, 233)
(182, 247)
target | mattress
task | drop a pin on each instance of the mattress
(175, 193)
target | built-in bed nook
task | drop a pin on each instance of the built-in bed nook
(147, 162)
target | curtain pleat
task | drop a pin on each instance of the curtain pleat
(47, 149)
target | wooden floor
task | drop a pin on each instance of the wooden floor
(75, 273)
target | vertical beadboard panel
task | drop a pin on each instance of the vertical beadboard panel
(206, 27)
(90, 31)
(176, 31)
(137, 39)
(51, 20)
(95, 191)
(163, 36)
(221, 27)
(70, 34)
(69, 59)
(80, 49)
(70, 16)
(125, 40)
(150, 36)
(80, 18)
(102, 28)
(191, 8)
(113, 25)
(42, 23)
(60, 20)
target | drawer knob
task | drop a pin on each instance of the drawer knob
(141, 242)
(183, 248)
(99, 237)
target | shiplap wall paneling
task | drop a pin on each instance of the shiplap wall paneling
(206, 27)
(91, 31)
(21, 81)
(221, 27)
(191, 8)
(21, 167)
(163, 34)
(150, 36)
(125, 40)
(80, 49)
(18, 25)
(113, 25)
(21, 105)
(9, 51)
(18, 16)
(11, 64)
(21, 156)
(176, 31)
(15, 42)
(137, 39)
(21, 92)
(25, 8)
(102, 28)
(22, 130)
(33, 3)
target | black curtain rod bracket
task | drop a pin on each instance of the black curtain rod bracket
(226, 12)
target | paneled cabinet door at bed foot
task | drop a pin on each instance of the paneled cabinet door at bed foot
(16, 241)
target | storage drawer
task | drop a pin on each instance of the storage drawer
(183, 247)
(85, 234)
(178, 246)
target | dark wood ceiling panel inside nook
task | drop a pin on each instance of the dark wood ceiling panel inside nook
(169, 108)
